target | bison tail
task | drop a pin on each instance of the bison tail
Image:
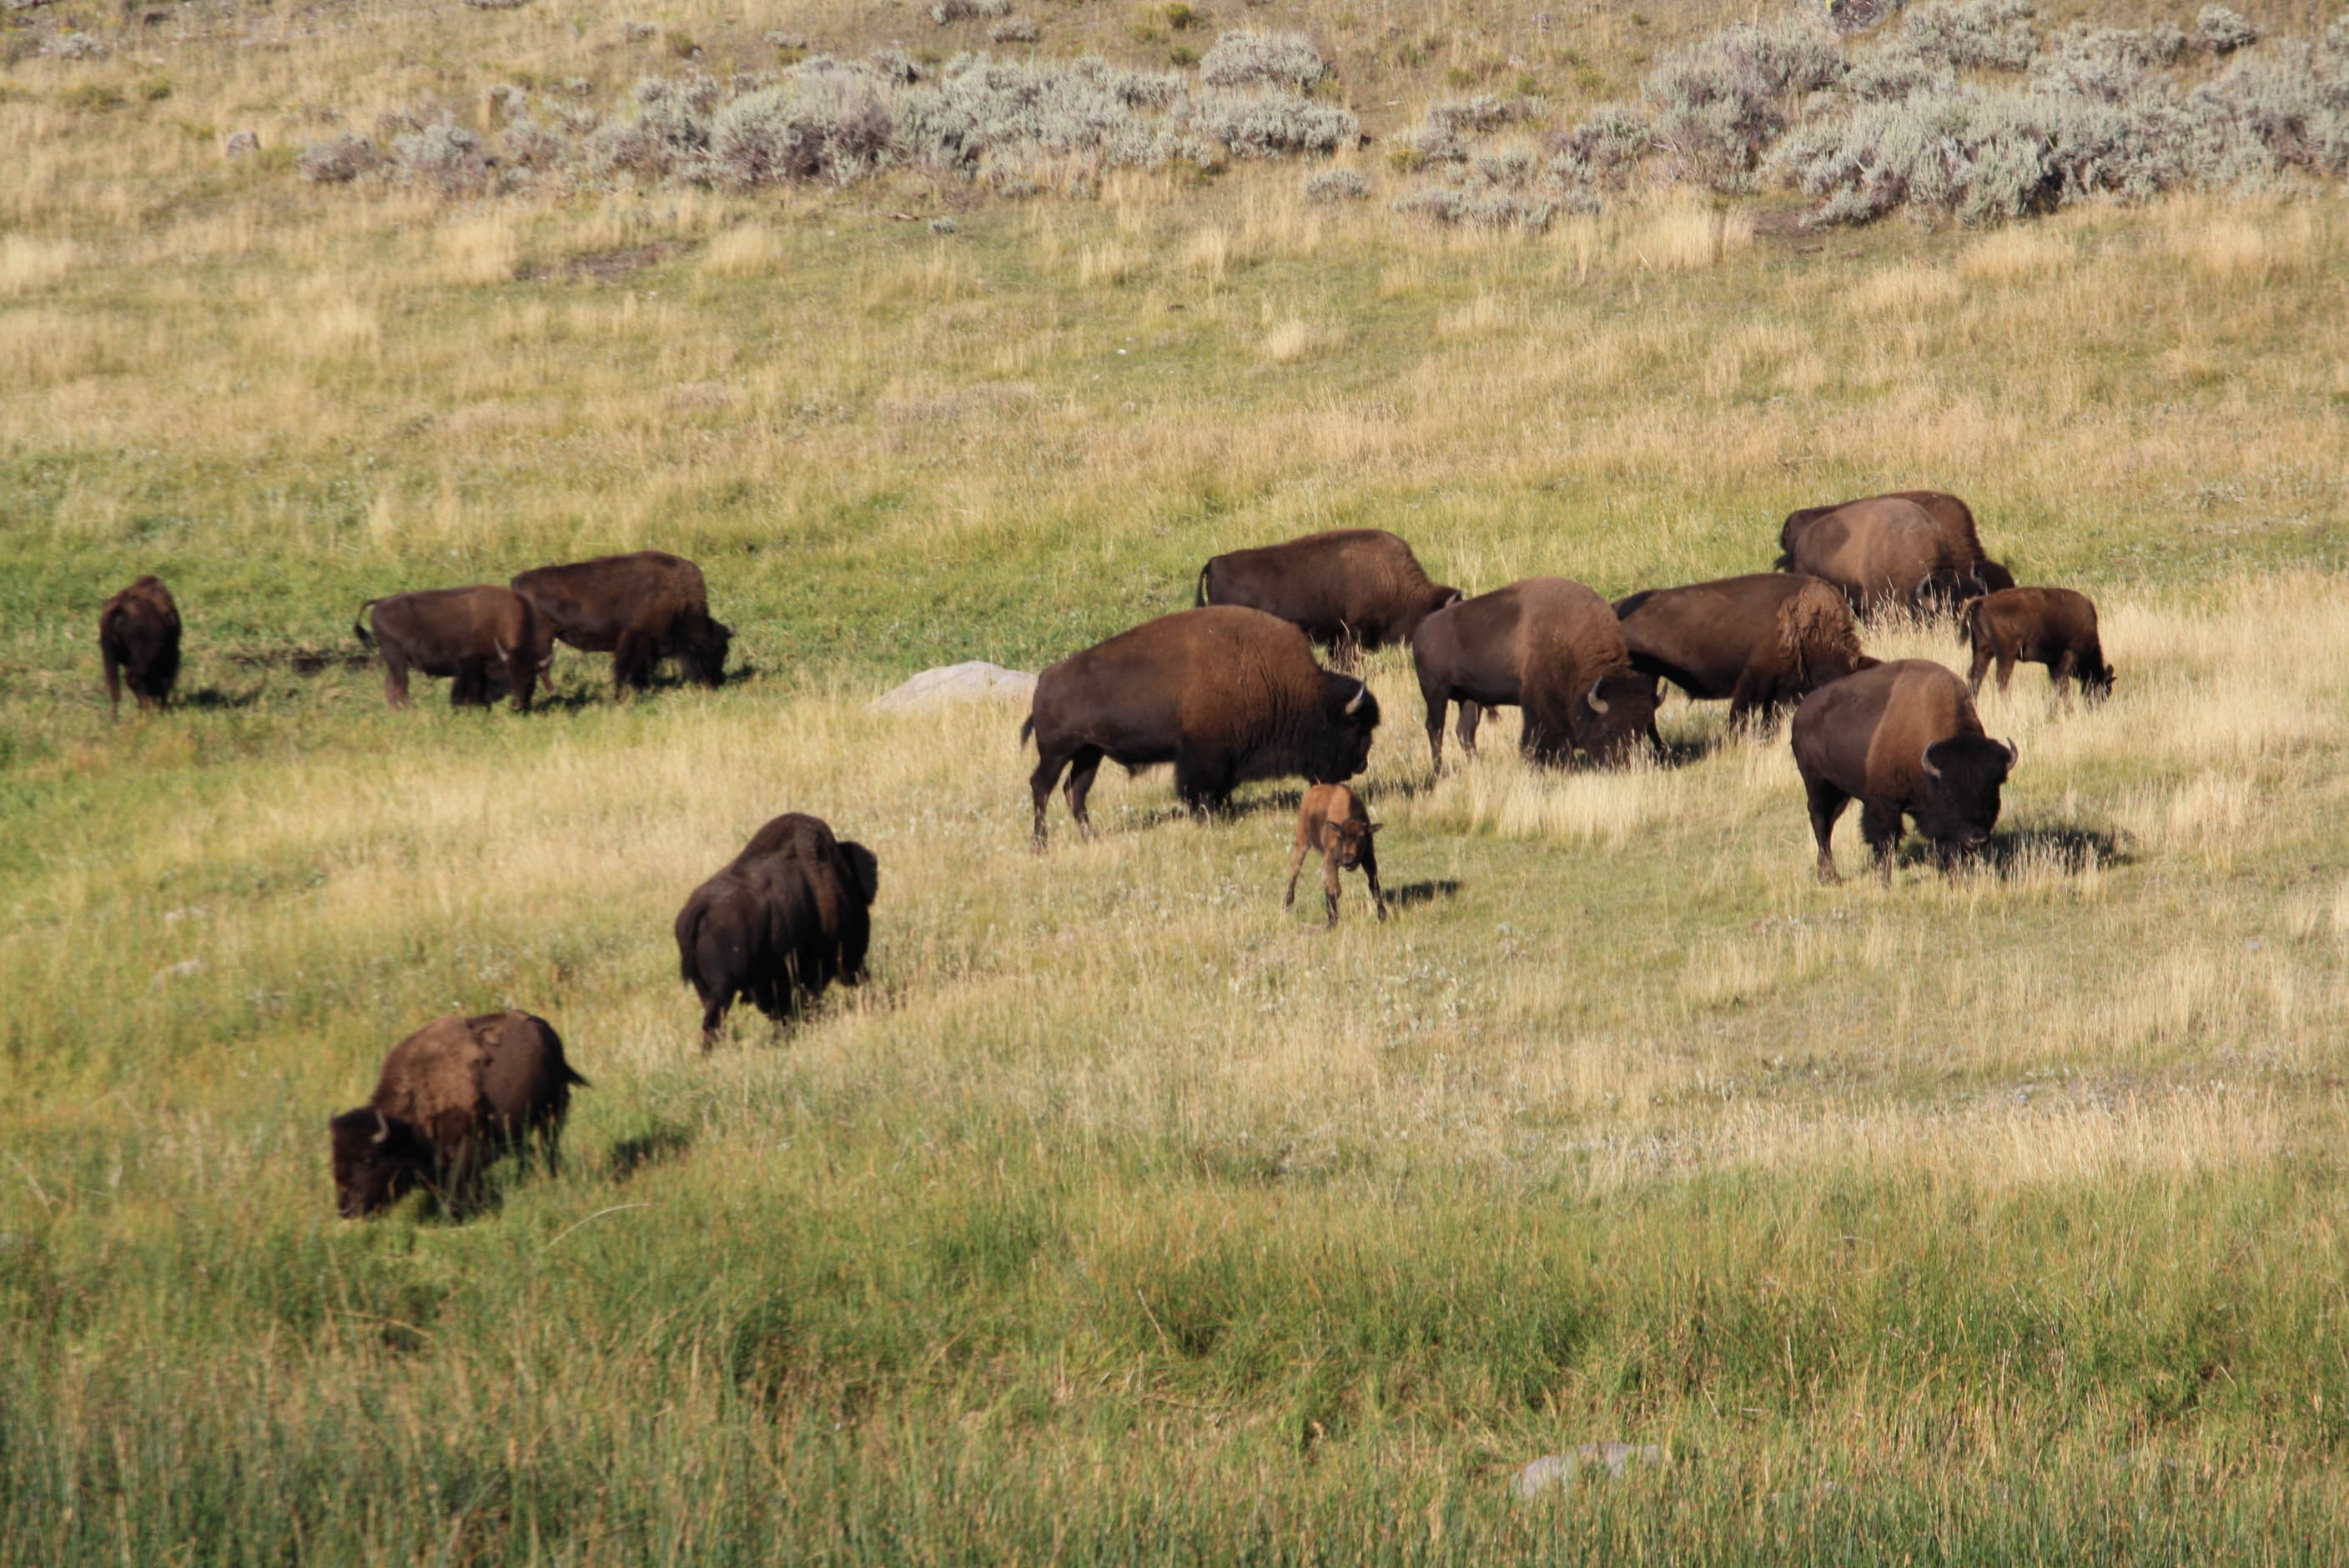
(358, 625)
(573, 1076)
(1027, 729)
(1199, 593)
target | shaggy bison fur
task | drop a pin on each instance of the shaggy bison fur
(1350, 589)
(1228, 695)
(640, 608)
(781, 921)
(1548, 646)
(139, 642)
(1964, 567)
(1902, 739)
(454, 1097)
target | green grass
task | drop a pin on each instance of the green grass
(1123, 1217)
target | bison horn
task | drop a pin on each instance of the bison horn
(1924, 758)
(382, 1129)
(2013, 754)
(1598, 704)
(1361, 690)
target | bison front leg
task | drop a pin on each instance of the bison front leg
(1370, 876)
(1329, 884)
(1436, 707)
(1203, 780)
(632, 662)
(1471, 715)
(1880, 826)
(2062, 674)
(1981, 667)
(1826, 804)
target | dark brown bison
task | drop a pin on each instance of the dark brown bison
(139, 641)
(782, 920)
(1225, 694)
(1763, 641)
(466, 633)
(1548, 646)
(1333, 820)
(1902, 739)
(2051, 626)
(640, 608)
(454, 1097)
(1350, 589)
(1976, 572)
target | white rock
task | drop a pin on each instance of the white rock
(968, 682)
(1559, 1469)
(180, 971)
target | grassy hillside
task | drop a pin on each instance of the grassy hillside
(1123, 1216)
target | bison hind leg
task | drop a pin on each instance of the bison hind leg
(1041, 783)
(1082, 767)
(1826, 804)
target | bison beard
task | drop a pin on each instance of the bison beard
(1227, 694)
(779, 923)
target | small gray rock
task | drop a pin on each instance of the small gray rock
(969, 682)
(180, 971)
(1559, 1469)
(240, 144)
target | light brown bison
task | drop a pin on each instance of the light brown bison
(1227, 694)
(2051, 626)
(453, 1097)
(1333, 820)
(1350, 589)
(1950, 515)
(1547, 645)
(1903, 738)
(139, 642)
(1883, 551)
(640, 608)
(461, 632)
(779, 922)
(1763, 641)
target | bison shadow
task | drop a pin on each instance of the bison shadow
(1425, 892)
(212, 699)
(302, 661)
(657, 1144)
(2013, 852)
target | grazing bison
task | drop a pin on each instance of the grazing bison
(1971, 570)
(1225, 694)
(1903, 738)
(139, 640)
(781, 921)
(452, 1097)
(1333, 820)
(1764, 640)
(1881, 551)
(2051, 626)
(640, 608)
(1550, 646)
(1350, 589)
(460, 633)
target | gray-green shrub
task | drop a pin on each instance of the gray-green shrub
(1720, 102)
(339, 160)
(826, 120)
(1245, 59)
(1337, 185)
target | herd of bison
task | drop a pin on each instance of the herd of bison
(1226, 692)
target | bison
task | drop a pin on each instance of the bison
(640, 608)
(460, 633)
(1903, 739)
(454, 1097)
(1952, 516)
(1351, 589)
(1763, 641)
(1882, 551)
(779, 922)
(1548, 645)
(1333, 820)
(1225, 694)
(2051, 626)
(139, 641)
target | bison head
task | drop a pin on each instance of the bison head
(1340, 745)
(1618, 711)
(1963, 776)
(1354, 838)
(377, 1158)
(2096, 680)
(699, 643)
(864, 868)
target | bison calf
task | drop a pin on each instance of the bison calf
(1333, 820)
(460, 633)
(139, 641)
(1901, 738)
(452, 1097)
(2051, 626)
(779, 922)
